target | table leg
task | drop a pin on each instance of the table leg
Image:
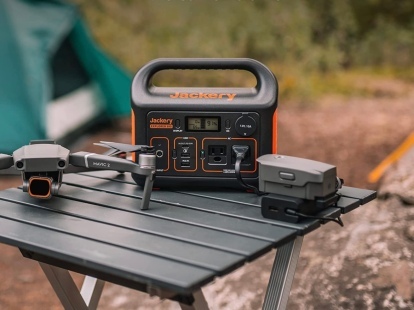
(91, 291)
(200, 302)
(67, 291)
(281, 278)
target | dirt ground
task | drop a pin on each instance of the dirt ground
(354, 134)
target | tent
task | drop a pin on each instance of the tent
(53, 78)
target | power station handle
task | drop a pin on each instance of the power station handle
(265, 78)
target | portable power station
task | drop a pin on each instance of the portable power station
(195, 130)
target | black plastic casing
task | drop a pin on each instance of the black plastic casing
(156, 112)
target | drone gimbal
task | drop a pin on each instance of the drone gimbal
(42, 164)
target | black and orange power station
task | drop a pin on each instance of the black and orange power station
(195, 129)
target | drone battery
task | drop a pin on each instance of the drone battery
(296, 177)
(193, 129)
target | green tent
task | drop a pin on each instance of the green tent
(46, 54)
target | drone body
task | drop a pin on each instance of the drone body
(41, 164)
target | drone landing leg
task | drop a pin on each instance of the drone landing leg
(146, 194)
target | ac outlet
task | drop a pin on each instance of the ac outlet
(217, 154)
(247, 160)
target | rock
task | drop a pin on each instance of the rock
(399, 276)
(409, 232)
(373, 265)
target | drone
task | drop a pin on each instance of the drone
(42, 163)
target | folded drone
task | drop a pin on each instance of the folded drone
(42, 163)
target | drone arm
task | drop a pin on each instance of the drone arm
(6, 161)
(96, 161)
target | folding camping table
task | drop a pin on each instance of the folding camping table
(184, 241)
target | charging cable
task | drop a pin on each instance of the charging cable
(241, 151)
(337, 220)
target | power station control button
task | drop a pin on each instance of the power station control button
(227, 124)
(287, 176)
(177, 123)
(245, 125)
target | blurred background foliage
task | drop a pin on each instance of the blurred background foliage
(314, 47)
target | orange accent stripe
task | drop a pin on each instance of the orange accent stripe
(161, 126)
(274, 141)
(376, 174)
(133, 141)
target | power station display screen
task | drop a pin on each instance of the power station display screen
(202, 123)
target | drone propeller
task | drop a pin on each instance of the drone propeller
(119, 148)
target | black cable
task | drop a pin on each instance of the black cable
(337, 220)
(241, 151)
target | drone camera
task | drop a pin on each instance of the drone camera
(40, 187)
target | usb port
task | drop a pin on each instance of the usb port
(185, 155)
(185, 164)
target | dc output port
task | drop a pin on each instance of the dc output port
(159, 153)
